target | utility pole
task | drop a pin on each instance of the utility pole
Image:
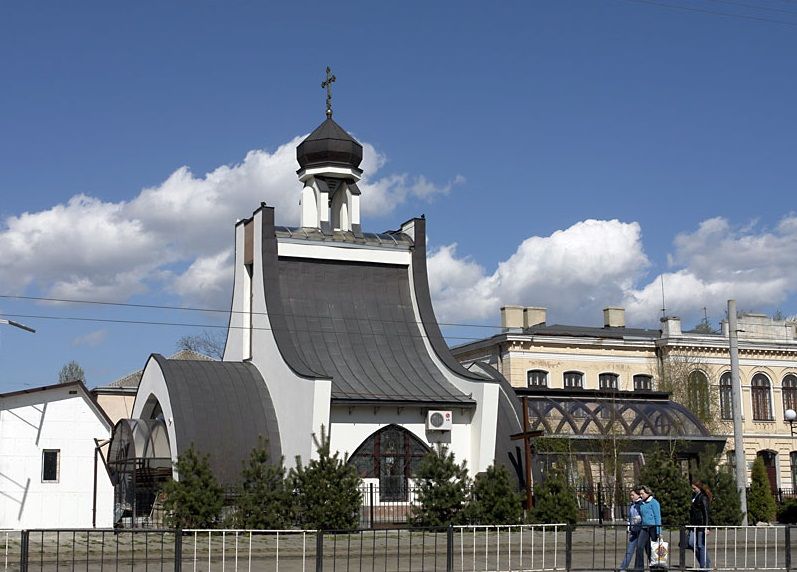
(736, 389)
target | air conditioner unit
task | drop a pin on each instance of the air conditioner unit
(439, 421)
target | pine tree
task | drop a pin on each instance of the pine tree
(670, 487)
(760, 502)
(195, 500)
(264, 499)
(726, 508)
(327, 490)
(554, 500)
(494, 498)
(442, 490)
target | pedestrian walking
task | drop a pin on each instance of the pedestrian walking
(634, 525)
(650, 526)
(698, 521)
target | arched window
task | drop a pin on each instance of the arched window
(726, 396)
(608, 380)
(574, 379)
(793, 459)
(789, 392)
(762, 403)
(697, 398)
(537, 378)
(392, 455)
(643, 382)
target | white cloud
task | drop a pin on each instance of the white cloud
(91, 249)
(92, 339)
(574, 272)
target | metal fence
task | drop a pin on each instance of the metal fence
(460, 548)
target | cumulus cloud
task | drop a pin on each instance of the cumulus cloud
(717, 262)
(572, 271)
(92, 249)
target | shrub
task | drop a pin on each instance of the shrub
(726, 508)
(554, 500)
(195, 500)
(760, 502)
(264, 499)
(442, 489)
(495, 498)
(670, 487)
(327, 491)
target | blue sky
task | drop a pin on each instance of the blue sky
(566, 154)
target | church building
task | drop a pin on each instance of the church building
(331, 329)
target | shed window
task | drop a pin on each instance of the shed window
(608, 380)
(51, 465)
(537, 378)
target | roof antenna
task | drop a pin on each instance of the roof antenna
(663, 305)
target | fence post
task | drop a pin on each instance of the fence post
(682, 542)
(178, 550)
(787, 541)
(371, 502)
(600, 504)
(450, 549)
(24, 543)
(319, 551)
(569, 547)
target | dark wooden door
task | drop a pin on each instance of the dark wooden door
(770, 464)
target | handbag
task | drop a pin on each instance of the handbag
(659, 554)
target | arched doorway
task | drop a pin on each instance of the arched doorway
(770, 459)
(392, 455)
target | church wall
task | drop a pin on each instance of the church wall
(153, 383)
(351, 425)
(51, 420)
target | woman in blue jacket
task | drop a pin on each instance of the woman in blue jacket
(634, 525)
(650, 527)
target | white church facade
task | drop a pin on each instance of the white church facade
(331, 327)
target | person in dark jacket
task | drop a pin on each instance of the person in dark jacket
(698, 522)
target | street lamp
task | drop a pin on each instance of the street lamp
(791, 417)
(17, 325)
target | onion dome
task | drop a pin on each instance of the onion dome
(329, 144)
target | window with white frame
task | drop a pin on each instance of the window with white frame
(51, 465)
(537, 378)
(726, 396)
(643, 382)
(574, 379)
(762, 400)
(789, 391)
(608, 380)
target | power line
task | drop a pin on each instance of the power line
(193, 325)
(714, 12)
(217, 310)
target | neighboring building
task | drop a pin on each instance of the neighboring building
(49, 437)
(332, 329)
(541, 358)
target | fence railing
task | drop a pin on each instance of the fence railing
(552, 547)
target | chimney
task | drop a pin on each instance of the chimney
(533, 316)
(671, 326)
(512, 317)
(613, 318)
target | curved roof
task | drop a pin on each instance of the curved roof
(139, 439)
(354, 323)
(221, 408)
(595, 416)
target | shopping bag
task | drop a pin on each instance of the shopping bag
(659, 554)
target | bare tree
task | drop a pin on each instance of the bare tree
(687, 378)
(207, 343)
(71, 372)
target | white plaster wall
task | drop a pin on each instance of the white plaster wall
(234, 349)
(351, 425)
(51, 419)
